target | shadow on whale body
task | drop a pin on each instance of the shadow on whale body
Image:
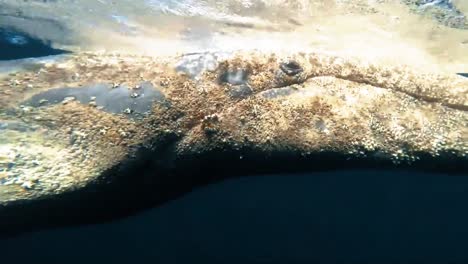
(151, 178)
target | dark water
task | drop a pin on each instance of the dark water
(19, 45)
(335, 217)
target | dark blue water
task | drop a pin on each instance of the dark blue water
(19, 45)
(336, 217)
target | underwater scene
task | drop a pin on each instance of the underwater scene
(238, 131)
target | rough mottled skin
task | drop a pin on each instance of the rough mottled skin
(296, 107)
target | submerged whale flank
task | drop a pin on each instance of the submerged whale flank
(98, 135)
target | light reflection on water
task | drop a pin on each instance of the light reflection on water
(373, 30)
(345, 217)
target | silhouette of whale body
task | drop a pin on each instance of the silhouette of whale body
(96, 136)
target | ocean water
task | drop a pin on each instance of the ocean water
(15, 45)
(353, 216)
(330, 217)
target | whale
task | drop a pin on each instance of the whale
(95, 135)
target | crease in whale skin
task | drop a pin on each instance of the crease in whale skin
(290, 112)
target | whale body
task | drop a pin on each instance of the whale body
(106, 134)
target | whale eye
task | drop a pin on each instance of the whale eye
(291, 68)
